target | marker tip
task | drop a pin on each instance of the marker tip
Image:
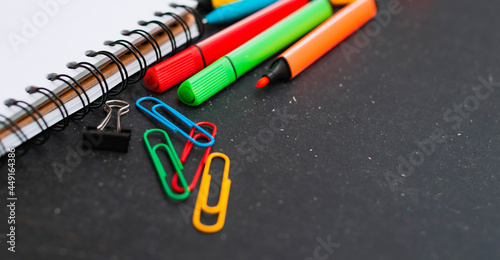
(263, 82)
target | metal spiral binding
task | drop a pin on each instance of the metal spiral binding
(90, 68)
(197, 16)
(119, 64)
(18, 133)
(85, 107)
(57, 101)
(182, 23)
(133, 52)
(149, 38)
(44, 135)
(23, 138)
(169, 33)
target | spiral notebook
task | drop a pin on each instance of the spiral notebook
(42, 37)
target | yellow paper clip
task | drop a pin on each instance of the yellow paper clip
(201, 201)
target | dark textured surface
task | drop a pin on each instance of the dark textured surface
(317, 173)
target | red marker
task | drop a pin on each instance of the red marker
(192, 60)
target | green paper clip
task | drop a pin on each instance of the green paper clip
(159, 166)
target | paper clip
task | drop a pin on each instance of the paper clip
(201, 201)
(159, 166)
(185, 154)
(171, 125)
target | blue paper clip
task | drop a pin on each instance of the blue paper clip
(171, 125)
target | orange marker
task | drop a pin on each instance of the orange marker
(320, 40)
(341, 2)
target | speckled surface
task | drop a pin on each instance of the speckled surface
(309, 159)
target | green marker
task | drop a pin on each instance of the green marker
(227, 69)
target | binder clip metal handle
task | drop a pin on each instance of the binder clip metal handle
(108, 107)
(103, 137)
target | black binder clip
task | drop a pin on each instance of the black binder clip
(108, 138)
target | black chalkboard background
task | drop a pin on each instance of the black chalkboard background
(314, 160)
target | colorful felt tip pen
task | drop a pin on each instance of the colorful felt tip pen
(219, 3)
(226, 70)
(319, 41)
(341, 2)
(192, 60)
(235, 11)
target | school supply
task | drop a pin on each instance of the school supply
(341, 2)
(322, 39)
(175, 70)
(162, 174)
(108, 138)
(219, 3)
(185, 153)
(156, 115)
(226, 70)
(201, 201)
(235, 11)
(41, 38)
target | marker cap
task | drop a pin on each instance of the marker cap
(174, 70)
(235, 11)
(206, 83)
(219, 3)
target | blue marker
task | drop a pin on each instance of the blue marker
(235, 11)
